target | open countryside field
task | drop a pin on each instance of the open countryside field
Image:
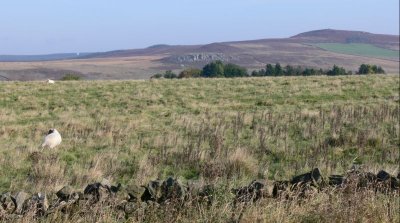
(224, 132)
(360, 49)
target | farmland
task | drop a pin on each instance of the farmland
(224, 132)
(360, 49)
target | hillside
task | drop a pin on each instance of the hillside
(305, 49)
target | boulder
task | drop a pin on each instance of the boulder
(336, 180)
(19, 200)
(360, 179)
(134, 192)
(38, 202)
(65, 193)
(96, 192)
(6, 203)
(279, 187)
(152, 191)
(387, 181)
(206, 193)
(250, 193)
(383, 175)
(313, 177)
(115, 189)
(161, 191)
(171, 189)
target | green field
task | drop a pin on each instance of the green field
(367, 50)
(225, 132)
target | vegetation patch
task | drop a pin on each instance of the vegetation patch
(361, 49)
(221, 131)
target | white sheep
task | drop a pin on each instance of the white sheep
(49, 81)
(52, 139)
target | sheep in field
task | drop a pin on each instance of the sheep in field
(52, 139)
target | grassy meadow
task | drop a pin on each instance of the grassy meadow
(225, 132)
(359, 49)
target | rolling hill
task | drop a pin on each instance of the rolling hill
(320, 48)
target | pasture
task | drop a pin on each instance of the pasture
(360, 49)
(224, 132)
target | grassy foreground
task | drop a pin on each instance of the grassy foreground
(221, 131)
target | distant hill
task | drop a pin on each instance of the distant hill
(47, 57)
(319, 48)
(344, 36)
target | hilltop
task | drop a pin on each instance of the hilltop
(319, 48)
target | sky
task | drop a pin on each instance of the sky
(60, 26)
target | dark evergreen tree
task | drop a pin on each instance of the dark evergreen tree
(269, 70)
(213, 69)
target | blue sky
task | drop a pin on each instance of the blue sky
(53, 26)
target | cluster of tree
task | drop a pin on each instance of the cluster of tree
(278, 70)
(370, 69)
(167, 74)
(213, 69)
(219, 69)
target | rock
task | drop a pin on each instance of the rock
(130, 207)
(106, 183)
(360, 179)
(307, 182)
(279, 187)
(152, 191)
(382, 175)
(19, 200)
(386, 181)
(64, 194)
(171, 189)
(162, 191)
(96, 192)
(38, 202)
(312, 177)
(206, 193)
(115, 189)
(336, 180)
(250, 193)
(6, 203)
(134, 192)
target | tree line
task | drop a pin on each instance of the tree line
(219, 69)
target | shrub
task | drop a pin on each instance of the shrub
(336, 70)
(213, 69)
(370, 69)
(233, 70)
(189, 73)
(170, 75)
(157, 76)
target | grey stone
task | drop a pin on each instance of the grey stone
(19, 200)
(134, 192)
(336, 180)
(250, 193)
(64, 193)
(6, 202)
